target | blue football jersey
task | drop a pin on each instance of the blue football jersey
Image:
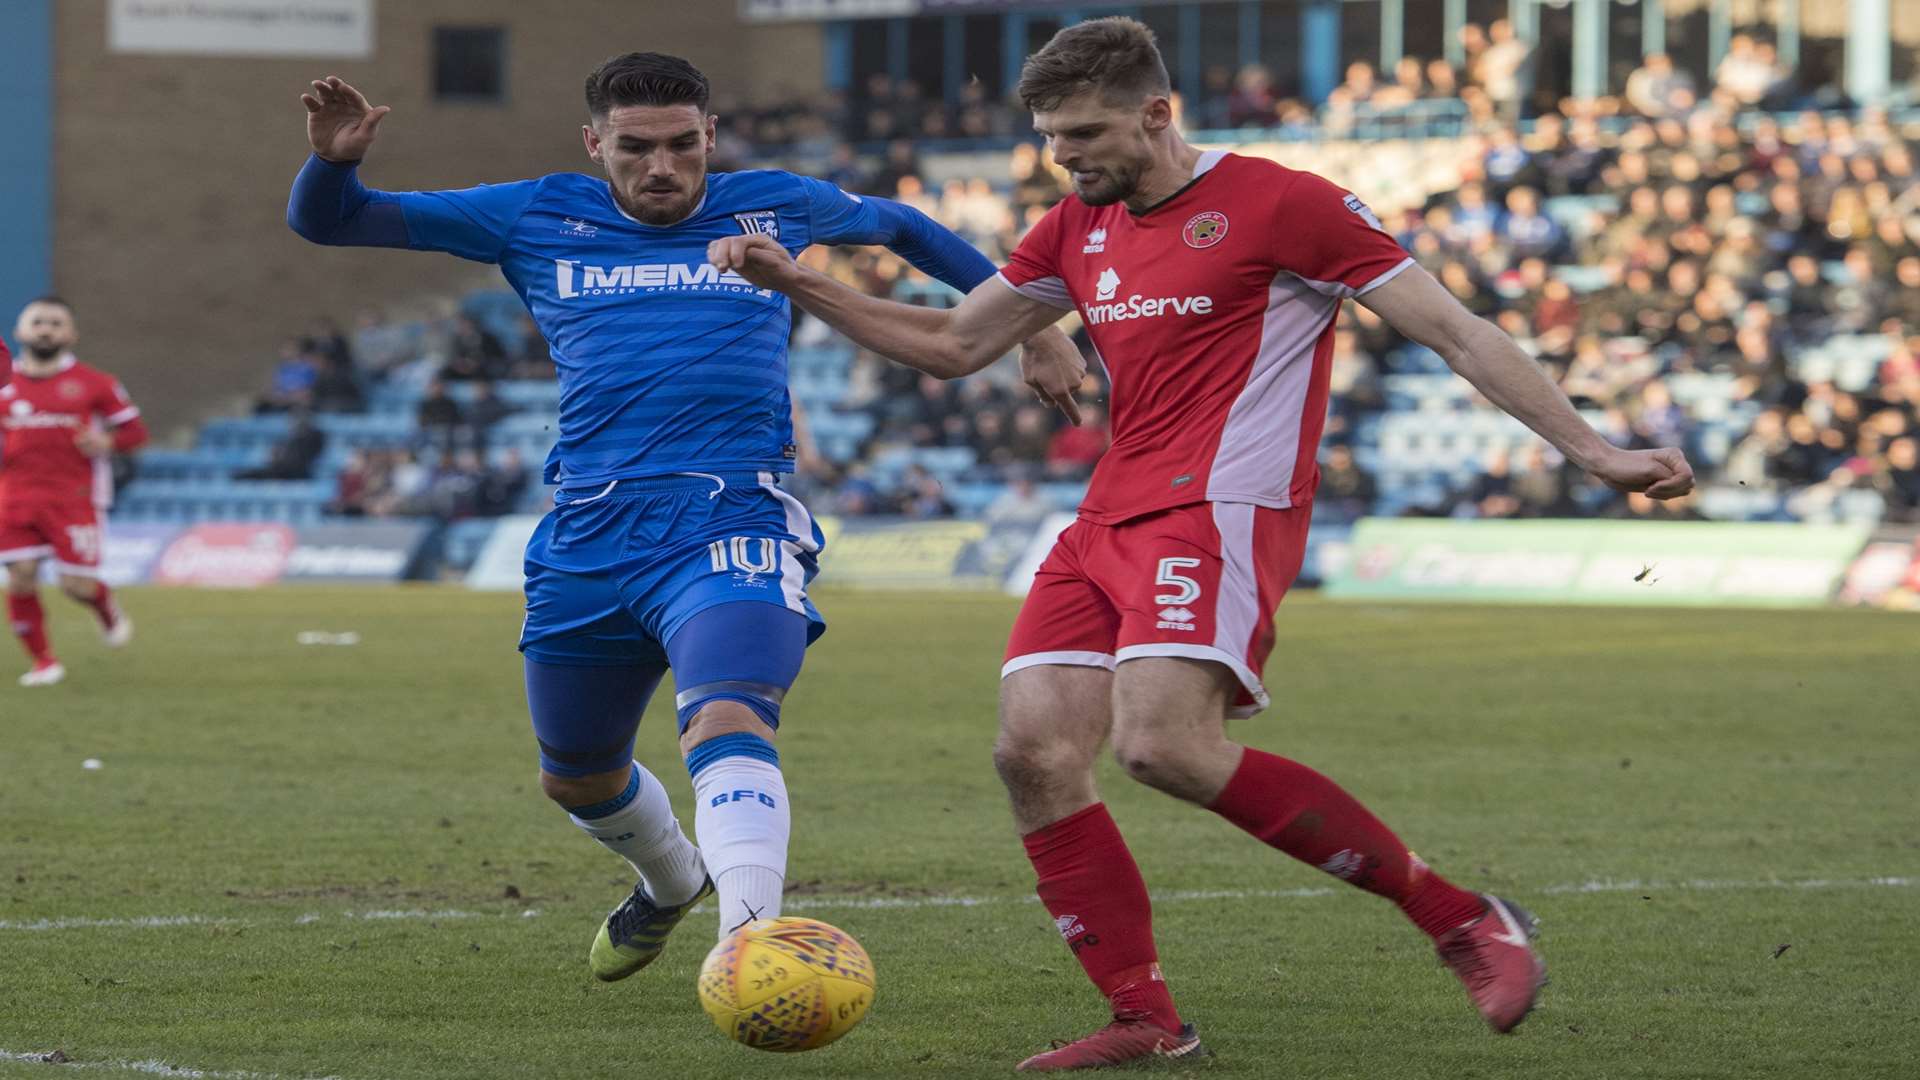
(666, 365)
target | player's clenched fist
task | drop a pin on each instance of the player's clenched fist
(759, 259)
(340, 123)
(1662, 473)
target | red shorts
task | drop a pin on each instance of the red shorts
(68, 532)
(1200, 581)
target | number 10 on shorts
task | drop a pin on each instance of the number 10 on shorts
(747, 554)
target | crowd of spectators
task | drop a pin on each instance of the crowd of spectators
(447, 470)
(446, 484)
(1715, 246)
(1672, 231)
(1712, 237)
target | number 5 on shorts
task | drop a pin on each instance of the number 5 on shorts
(1189, 588)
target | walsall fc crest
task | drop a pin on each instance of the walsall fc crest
(1205, 229)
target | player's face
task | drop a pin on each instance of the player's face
(1106, 148)
(655, 157)
(45, 330)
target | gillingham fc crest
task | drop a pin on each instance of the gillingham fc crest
(1205, 229)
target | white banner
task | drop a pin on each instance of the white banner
(1020, 578)
(330, 28)
(785, 10)
(502, 561)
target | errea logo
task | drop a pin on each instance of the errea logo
(1175, 618)
(1096, 242)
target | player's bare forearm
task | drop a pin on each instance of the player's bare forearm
(919, 337)
(1416, 305)
(949, 343)
(1503, 372)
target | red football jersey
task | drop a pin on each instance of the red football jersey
(1213, 313)
(40, 417)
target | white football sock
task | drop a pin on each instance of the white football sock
(742, 819)
(646, 834)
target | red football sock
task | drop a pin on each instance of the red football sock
(1089, 883)
(1308, 816)
(29, 621)
(102, 605)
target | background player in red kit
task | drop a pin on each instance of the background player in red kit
(1209, 284)
(61, 420)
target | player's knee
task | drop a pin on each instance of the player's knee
(727, 739)
(715, 717)
(1148, 757)
(577, 791)
(22, 579)
(82, 589)
(1028, 762)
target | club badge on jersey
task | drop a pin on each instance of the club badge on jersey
(759, 223)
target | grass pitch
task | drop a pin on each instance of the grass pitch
(303, 861)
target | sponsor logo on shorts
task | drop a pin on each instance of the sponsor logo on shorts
(1175, 618)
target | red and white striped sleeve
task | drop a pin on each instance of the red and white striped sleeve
(1033, 270)
(1328, 238)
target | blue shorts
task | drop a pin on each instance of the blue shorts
(613, 573)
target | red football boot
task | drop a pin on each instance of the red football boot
(1126, 1040)
(1494, 958)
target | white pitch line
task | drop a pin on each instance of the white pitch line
(882, 903)
(151, 922)
(1611, 886)
(910, 903)
(143, 922)
(150, 1066)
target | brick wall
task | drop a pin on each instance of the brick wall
(171, 173)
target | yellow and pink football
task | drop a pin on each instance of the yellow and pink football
(786, 984)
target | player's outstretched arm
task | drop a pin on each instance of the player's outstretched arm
(1419, 307)
(1049, 362)
(947, 343)
(329, 204)
(341, 124)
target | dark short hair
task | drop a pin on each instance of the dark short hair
(50, 298)
(645, 78)
(1116, 56)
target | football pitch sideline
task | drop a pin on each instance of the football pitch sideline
(298, 861)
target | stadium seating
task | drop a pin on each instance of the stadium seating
(1426, 444)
